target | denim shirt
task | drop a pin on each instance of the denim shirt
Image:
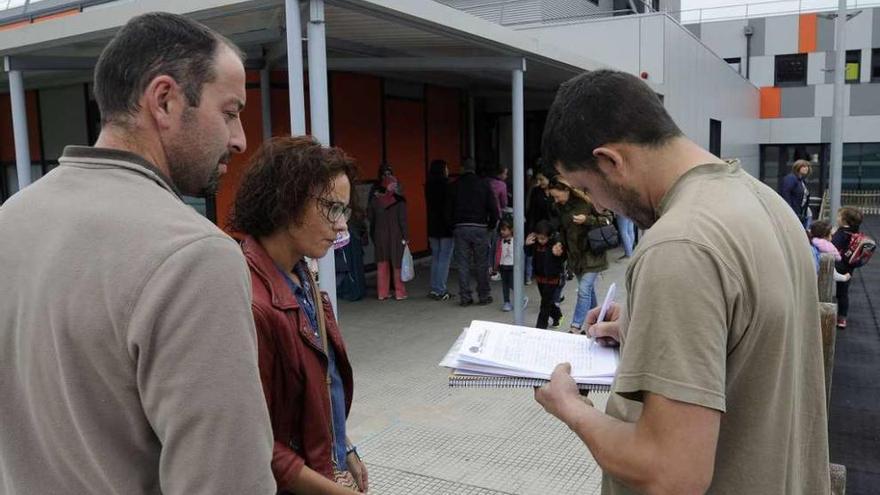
(304, 298)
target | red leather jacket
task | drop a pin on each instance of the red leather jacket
(293, 369)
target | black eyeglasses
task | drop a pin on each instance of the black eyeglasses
(334, 210)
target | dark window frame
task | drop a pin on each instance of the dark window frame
(875, 65)
(793, 64)
(857, 56)
(715, 137)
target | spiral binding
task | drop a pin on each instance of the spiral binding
(474, 381)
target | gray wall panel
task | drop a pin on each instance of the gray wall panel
(864, 99)
(799, 102)
(759, 28)
(875, 31)
(694, 28)
(695, 77)
(827, 124)
(829, 66)
(824, 34)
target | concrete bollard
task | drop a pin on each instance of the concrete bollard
(838, 479)
(826, 278)
(828, 321)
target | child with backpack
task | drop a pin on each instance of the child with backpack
(855, 250)
(548, 264)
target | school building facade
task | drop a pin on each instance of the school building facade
(791, 58)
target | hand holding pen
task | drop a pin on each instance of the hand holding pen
(603, 324)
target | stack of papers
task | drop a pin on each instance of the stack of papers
(489, 354)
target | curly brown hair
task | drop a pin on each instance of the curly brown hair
(283, 174)
(851, 216)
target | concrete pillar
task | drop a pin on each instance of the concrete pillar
(295, 68)
(19, 127)
(518, 140)
(320, 120)
(266, 102)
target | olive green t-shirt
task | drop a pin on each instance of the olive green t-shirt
(722, 312)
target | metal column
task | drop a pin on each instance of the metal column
(839, 88)
(518, 193)
(320, 119)
(295, 68)
(19, 127)
(266, 101)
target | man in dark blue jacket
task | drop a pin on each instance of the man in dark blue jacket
(473, 212)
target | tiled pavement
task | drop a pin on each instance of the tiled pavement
(417, 436)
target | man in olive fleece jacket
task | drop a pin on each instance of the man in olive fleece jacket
(128, 360)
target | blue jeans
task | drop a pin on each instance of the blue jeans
(529, 268)
(586, 298)
(627, 235)
(441, 257)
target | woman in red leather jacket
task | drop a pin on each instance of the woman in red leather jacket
(292, 204)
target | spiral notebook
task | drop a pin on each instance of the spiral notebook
(496, 355)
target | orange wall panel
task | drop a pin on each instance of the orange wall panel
(281, 105)
(405, 141)
(357, 119)
(7, 141)
(252, 121)
(7, 145)
(56, 15)
(15, 25)
(771, 102)
(33, 120)
(807, 33)
(444, 125)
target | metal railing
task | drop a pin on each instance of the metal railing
(12, 11)
(520, 12)
(867, 201)
(765, 9)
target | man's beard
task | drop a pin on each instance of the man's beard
(213, 184)
(188, 160)
(630, 204)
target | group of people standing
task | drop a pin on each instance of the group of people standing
(467, 219)
(824, 237)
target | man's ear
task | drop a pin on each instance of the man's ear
(609, 160)
(163, 101)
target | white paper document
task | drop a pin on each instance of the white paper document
(521, 351)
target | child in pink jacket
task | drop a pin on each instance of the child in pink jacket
(820, 238)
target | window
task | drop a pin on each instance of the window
(875, 65)
(791, 70)
(777, 159)
(861, 166)
(853, 69)
(715, 137)
(734, 62)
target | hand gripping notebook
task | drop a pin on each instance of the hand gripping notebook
(495, 355)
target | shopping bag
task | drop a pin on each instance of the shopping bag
(407, 271)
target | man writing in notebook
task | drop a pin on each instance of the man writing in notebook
(720, 385)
